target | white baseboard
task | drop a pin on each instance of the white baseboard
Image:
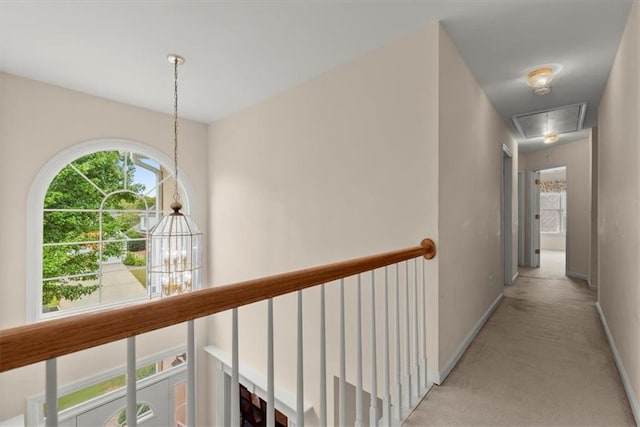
(13, 422)
(467, 340)
(433, 376)
(633, 400)
(580, 276)
(515, 277)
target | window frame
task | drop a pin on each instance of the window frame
(35, 213)
(561, 212)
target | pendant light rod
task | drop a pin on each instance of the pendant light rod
(175, 60)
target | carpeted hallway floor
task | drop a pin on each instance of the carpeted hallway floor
(541, 359)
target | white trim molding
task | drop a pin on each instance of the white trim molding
(17, 421)
(455, 358)
(505, 149)
(628, 388)
(515, 277)
(580, 276)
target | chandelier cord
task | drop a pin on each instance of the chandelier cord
(176, 196)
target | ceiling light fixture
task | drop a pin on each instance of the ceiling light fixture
(175, 243)
(550, 138)
(540, 80)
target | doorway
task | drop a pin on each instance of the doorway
(550, 220)
(101, 400)
(507, 217)
(160, 402)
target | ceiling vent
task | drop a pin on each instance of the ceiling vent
(558, 120)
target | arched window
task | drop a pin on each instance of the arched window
(96, 203)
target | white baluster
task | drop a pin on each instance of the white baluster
(51, 392)
(386, 397)
(342, 402)
(223, 413)
(416, 334)
(398, 355)
(300, 373)
(323, 362)
(271, 414)
(132, 404)
(406, 383)
(191, 374)
(235, 374)
(424, 326)
(358, 422)
(373, 411)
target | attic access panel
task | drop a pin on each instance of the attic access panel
(568, 118)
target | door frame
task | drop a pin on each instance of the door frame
(534, 207)
(506, 213)
(521, 218)
(159, 395)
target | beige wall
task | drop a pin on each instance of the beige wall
(37, 121)
(553, 242)
(342, 166)
(619, 203)
(471, 136)
(576, 157)
(355, 162)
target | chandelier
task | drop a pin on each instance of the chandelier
(174, 260)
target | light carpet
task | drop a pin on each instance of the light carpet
(542, 359)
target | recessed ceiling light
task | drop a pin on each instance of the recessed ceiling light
(540, 80)
(550, 138)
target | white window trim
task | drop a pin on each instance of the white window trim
(35, 206)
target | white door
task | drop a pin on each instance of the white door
(154, 409)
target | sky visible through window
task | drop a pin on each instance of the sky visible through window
(144, 176)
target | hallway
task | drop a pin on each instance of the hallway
(541, 359)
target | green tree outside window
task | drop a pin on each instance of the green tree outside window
(91, 209)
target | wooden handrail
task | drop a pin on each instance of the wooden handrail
(36, 342)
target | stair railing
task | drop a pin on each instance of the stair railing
(47, 340)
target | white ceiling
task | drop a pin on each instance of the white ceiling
(239, 53)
